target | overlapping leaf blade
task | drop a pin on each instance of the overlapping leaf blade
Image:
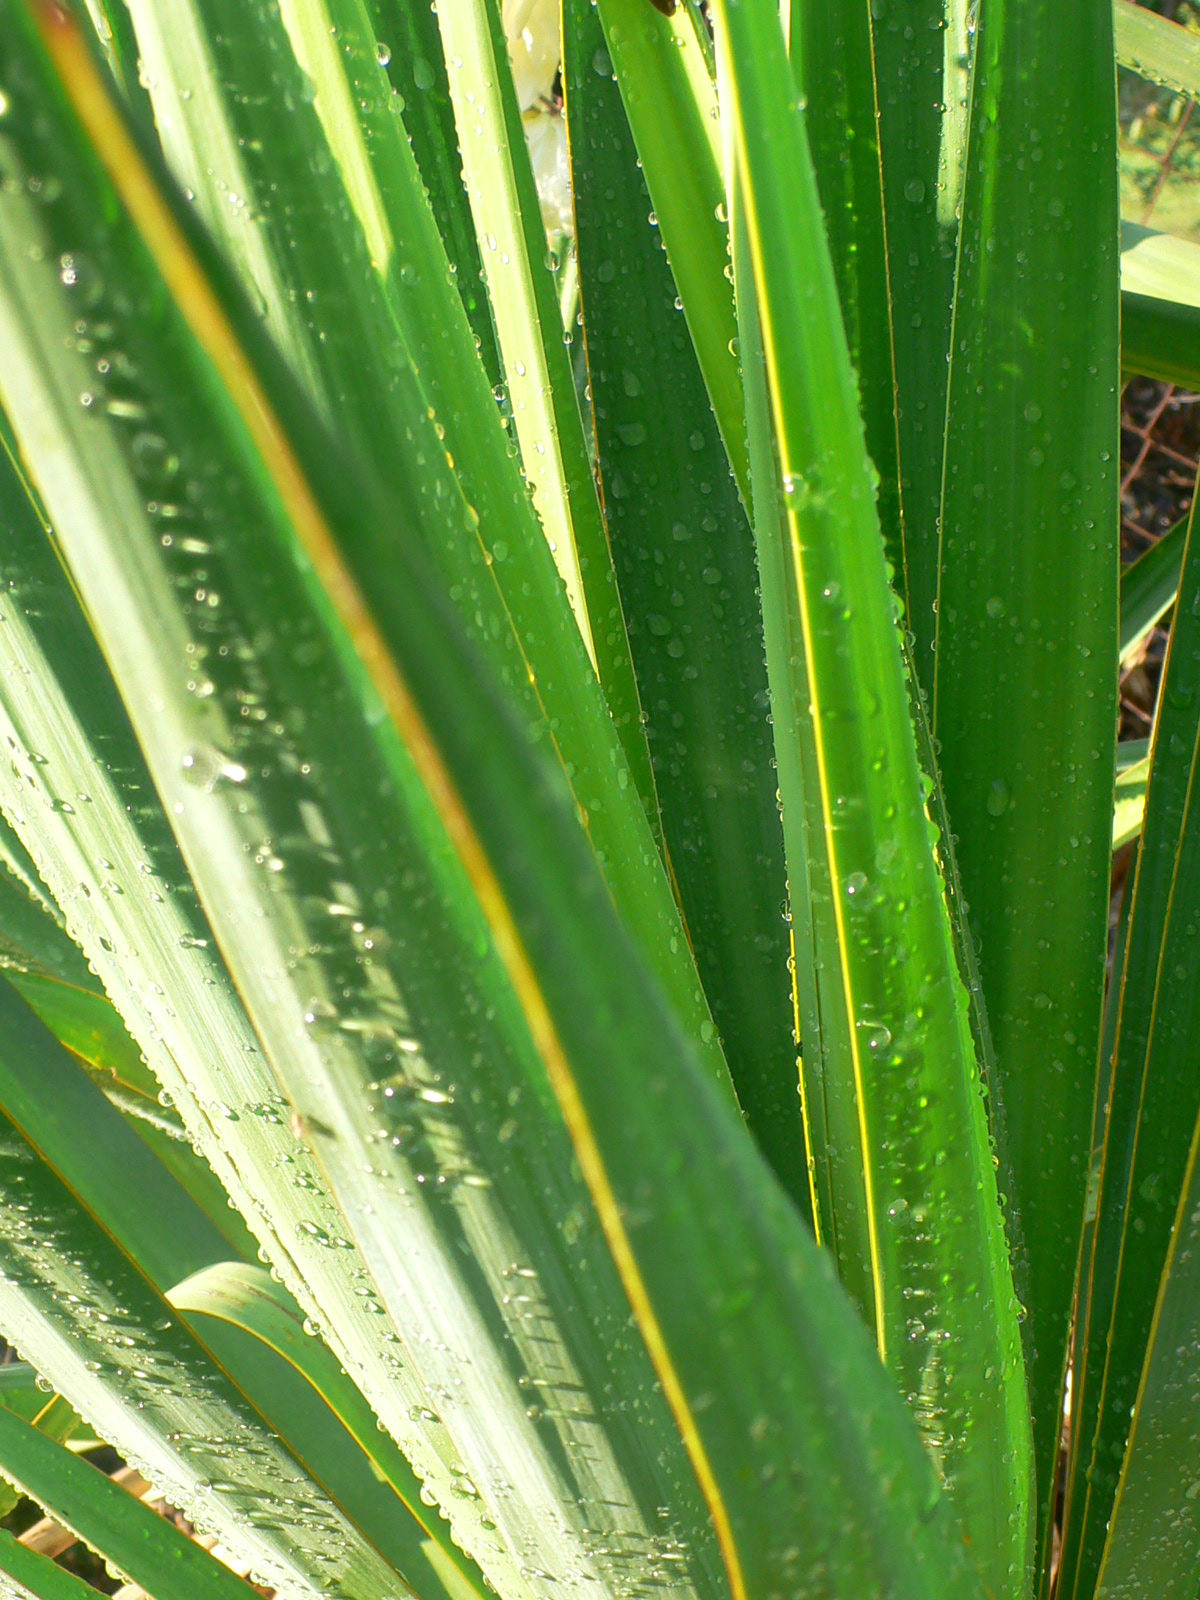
(106, 1338)
(684, 556)
(575, 1009)
(1024, 706)
(421, 1102)
(671, 106)
(358, 295)
(1152, 1105)
(258, 1334)
(931, 1206)
(27, 1575)
(131, 1536)
(921, 56)
(1153, 1542)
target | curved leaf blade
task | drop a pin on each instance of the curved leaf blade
(402, 1093)
(258, 1334)
(141, 1544)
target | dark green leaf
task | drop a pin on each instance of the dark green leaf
(1025, 697)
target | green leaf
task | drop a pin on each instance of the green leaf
(27, 1573)
(831, 54)
(672, 111)
(112, 1345)
(1160, 339)
(941, 1276)
(66, 1118)
(684, 556)
(1157, 48)
(132, 1537)
(258, 1334)
(1153, 1103)
(488, 545)
(1149, 587)
(1133, 775)
(391, 1091)
(491, 890)
(921, 56)
(1025, 692)
(537, 371)
(1160, 302)
(1153, 1544)
(407, 35)
(23, 1393)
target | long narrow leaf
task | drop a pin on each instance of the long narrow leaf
(27, 1575)
(1025, 696)
(422, 1110)
(1149, 587)
(921, 57)
(380, 353)
(684, 556)
(831, 54)
(672, 112)
(941, 1277)
(1153, 1541)
(109, 1342)
(257, 1333)
(1152, 1108)
(130, 1535)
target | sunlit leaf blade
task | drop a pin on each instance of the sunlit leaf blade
(392, 1062)
(491, 553)
(833, 1130)
(1159, 265)
(133, 1538)
(28, 1575)
(831, 54)
(83, 797)
(1133, 774)
(257, 1333)
(114, 33)
(64, 1116)
(684, 556)
(920, 53)
(1149, 587)
(944, 1307)
(1160, 303)
(537, 371)
(107, 1340)
(47, 969)
(805, 1449)
(1024, 705)
(13, 855)
(1157, 48)
(1153, 1103)
(42, 962)
(733, 1313)
(671, 108)
(111, 1172)
(1153, 1542)
(409, 46)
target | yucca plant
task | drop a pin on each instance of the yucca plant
(472, 707)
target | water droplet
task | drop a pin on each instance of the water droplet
(383, 54)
